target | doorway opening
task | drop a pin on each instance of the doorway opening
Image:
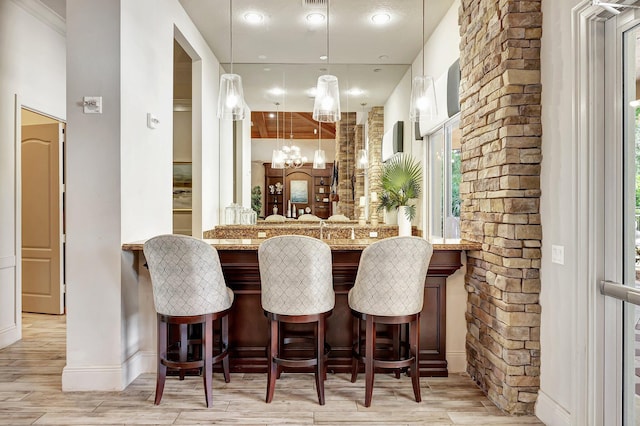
(42, 213)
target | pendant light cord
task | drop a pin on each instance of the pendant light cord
(422, 47)
(328, 36)
(231, 32)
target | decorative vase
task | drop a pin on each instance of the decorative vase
(404, 224)
(275, 209)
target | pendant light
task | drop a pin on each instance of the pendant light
(362, 160)
(326, 107)
(423, 94)
(319, 158)
(277, 157)
(292, 156)
(231, 104)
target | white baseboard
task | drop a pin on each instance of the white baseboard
(550, 412)
(456, 362)
(108, 378)
(9, 336)
(92, 378)
(140, 363)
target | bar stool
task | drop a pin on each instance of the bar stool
(297, 287)
(389, 289)
(188, 289)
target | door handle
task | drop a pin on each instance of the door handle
(620, 291)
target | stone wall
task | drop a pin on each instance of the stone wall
(501, 132)
(375, 128)
(345, 158)
(359, 173)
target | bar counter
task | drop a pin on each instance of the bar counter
(248, 327)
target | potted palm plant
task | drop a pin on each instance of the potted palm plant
(400, 180)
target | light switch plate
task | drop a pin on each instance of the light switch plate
(373, 234)
(92, 104)
(262, 234)
(557, 254)
(152, 121)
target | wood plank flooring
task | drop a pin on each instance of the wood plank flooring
(30, 393)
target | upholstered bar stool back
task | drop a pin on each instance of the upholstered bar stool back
(389, 289)
(188, 289)
(297, 287)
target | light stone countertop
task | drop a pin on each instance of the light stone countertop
(335, 244)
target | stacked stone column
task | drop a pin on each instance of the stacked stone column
(345, 158)
(500, 97)
(375, 126)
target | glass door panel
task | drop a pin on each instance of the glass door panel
(630, 223)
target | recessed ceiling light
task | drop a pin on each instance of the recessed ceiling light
(312, 92)
(262, 56)
(315, 18)
(381, 18)
(383, 57)
(323, 69)
(266, 69)
(323, 57)
(377, 69)
(253, 17)
(276, 91)
(355, 92)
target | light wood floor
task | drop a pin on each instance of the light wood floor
(30, 393)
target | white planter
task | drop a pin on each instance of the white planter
(404, 224)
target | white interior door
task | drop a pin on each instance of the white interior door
(42, 282)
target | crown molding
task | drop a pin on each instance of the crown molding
(47, 16)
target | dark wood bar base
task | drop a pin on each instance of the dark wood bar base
(249, 328)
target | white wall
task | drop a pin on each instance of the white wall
(120, 173)
(558, 184)
(32, 66)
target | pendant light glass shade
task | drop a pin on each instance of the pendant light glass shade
(423, 99)
(277, 159)
(231, 98)
(326, 107)
(362, 160)
(319, 159)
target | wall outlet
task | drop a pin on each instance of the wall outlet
(373, 234)
(262, 234)
(557, 254)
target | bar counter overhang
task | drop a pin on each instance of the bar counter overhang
(248, 327)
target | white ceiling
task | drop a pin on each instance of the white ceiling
(284, 50)
(290, 48)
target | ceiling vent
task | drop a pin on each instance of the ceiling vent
(314, 3)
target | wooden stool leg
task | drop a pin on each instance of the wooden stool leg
(162, 352)
(415, 352)
(320, 366)
(207, 373)
(395, 336)
(281, 334)
(369, 356)
(224, 343)
(273, 353)
(184, 337)
(355, 362)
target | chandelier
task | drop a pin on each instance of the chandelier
(291, 153)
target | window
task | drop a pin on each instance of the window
(443, 180)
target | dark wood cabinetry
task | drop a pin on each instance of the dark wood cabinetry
(249, 331)
(307, 188)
